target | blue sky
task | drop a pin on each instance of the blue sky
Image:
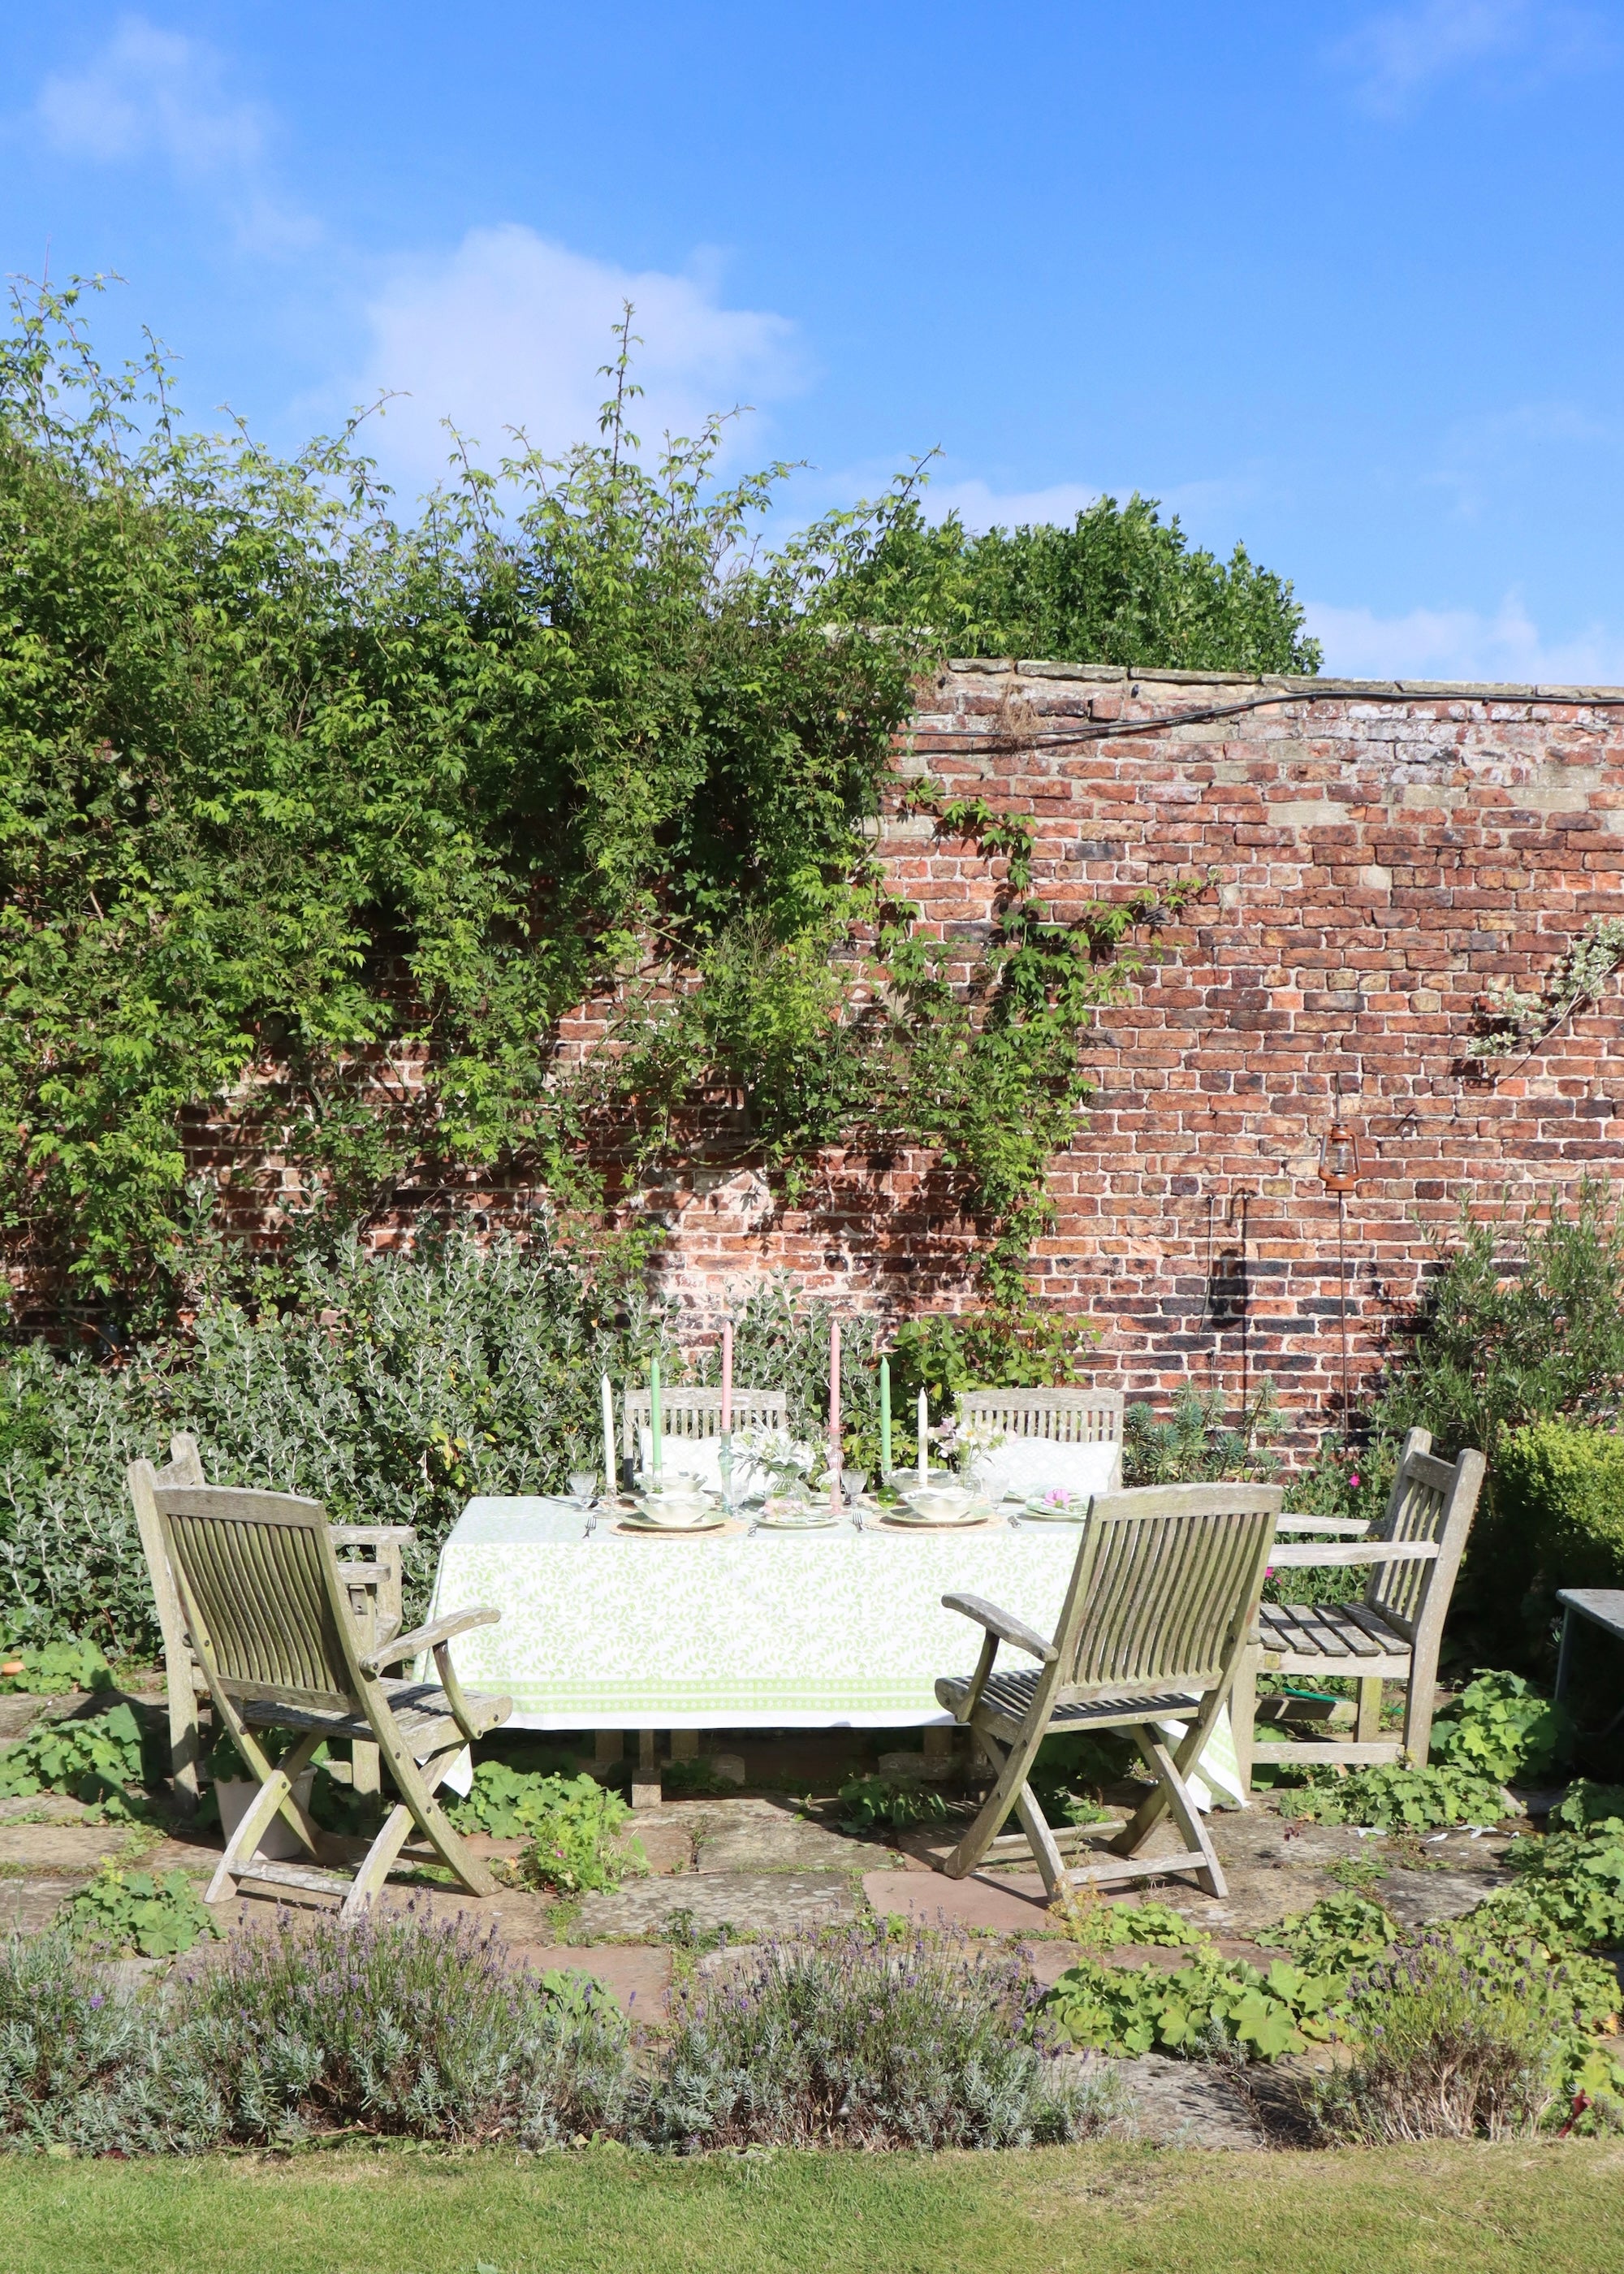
(1342, 280)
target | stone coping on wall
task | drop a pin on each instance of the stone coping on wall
(1296, 689)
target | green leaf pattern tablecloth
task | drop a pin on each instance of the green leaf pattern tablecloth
(843, 1628)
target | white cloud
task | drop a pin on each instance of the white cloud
(1462, 644)
(510, 329)
(1395, 57)
(981, 507)
(151, 92)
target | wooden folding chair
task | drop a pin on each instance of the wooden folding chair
(1393, 1634)
(268, 1613)
(1162, 1602)
(373, 1575)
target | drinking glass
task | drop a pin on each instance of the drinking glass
(583, 1485)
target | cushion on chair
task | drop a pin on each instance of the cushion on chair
(694, 1456)
(1028, 1466)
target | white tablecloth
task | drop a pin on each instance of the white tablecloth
(838, 1629)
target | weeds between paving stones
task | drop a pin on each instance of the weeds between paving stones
(138, 1913)
(569, 1821)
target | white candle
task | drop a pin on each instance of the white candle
(727, 1377)
(924, 1439)
(611, 1467)
(834, 1414)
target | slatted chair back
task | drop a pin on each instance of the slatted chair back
(1166, 1587)
(265, 1602)
(1431, 1500)
(1055, 1417)
(694, 1415)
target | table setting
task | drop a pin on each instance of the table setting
(792, 1592)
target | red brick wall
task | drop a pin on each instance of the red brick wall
(1384, 857)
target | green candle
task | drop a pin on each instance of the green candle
(885, 1416)
(654, 1414)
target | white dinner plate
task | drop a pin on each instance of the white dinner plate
(642, 1523)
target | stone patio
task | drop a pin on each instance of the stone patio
(749, 1864)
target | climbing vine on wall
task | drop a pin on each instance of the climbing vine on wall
(320, 820)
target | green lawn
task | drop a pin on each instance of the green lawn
(1559, 2208)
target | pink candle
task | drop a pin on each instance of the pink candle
(834, 1414)
(727, 1377)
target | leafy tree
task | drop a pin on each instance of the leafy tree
(1121, 586)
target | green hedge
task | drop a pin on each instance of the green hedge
(1559, 1504)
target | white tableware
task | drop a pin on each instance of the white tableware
(940, 1504)
(679, 1504)
(797, 1516)
(705, 1519)
(1043, 1511)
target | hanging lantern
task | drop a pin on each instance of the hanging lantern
(1340, 1162)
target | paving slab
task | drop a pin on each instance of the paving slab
(42, 1808)
(1001, 1906)
(27, 1906)
(1174, 2103)
(763, 1838)
(19, 1710)
(637, 1977)
(759, 1902)
(52, 1847)
(1416, 1899)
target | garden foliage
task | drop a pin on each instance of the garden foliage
(1120, 585)
(1390, 1795)
(323, 820)
(398, 2026)
(570, 1825)
(95, 1757)
(122, 1914)
(1501, 1726)
(862, 2040)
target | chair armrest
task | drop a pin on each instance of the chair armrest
(1310, 1557)
(370, 1535)
(1003, 1624)
(1349, 1527)
(428, 1638)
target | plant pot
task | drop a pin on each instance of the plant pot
(278, 1843)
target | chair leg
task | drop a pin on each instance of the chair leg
(1243, 1711)
(1369, 1725)
(364, 1777)
(1009, 1784)
(1035, 1825)
(275, 1795)
(1418, 1701)
(185, 1743)
(376, 1864)
(416, 1787)
(1185, 1814)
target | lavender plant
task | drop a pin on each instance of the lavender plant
(864, 2040)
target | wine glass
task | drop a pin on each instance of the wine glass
(583, 1485)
